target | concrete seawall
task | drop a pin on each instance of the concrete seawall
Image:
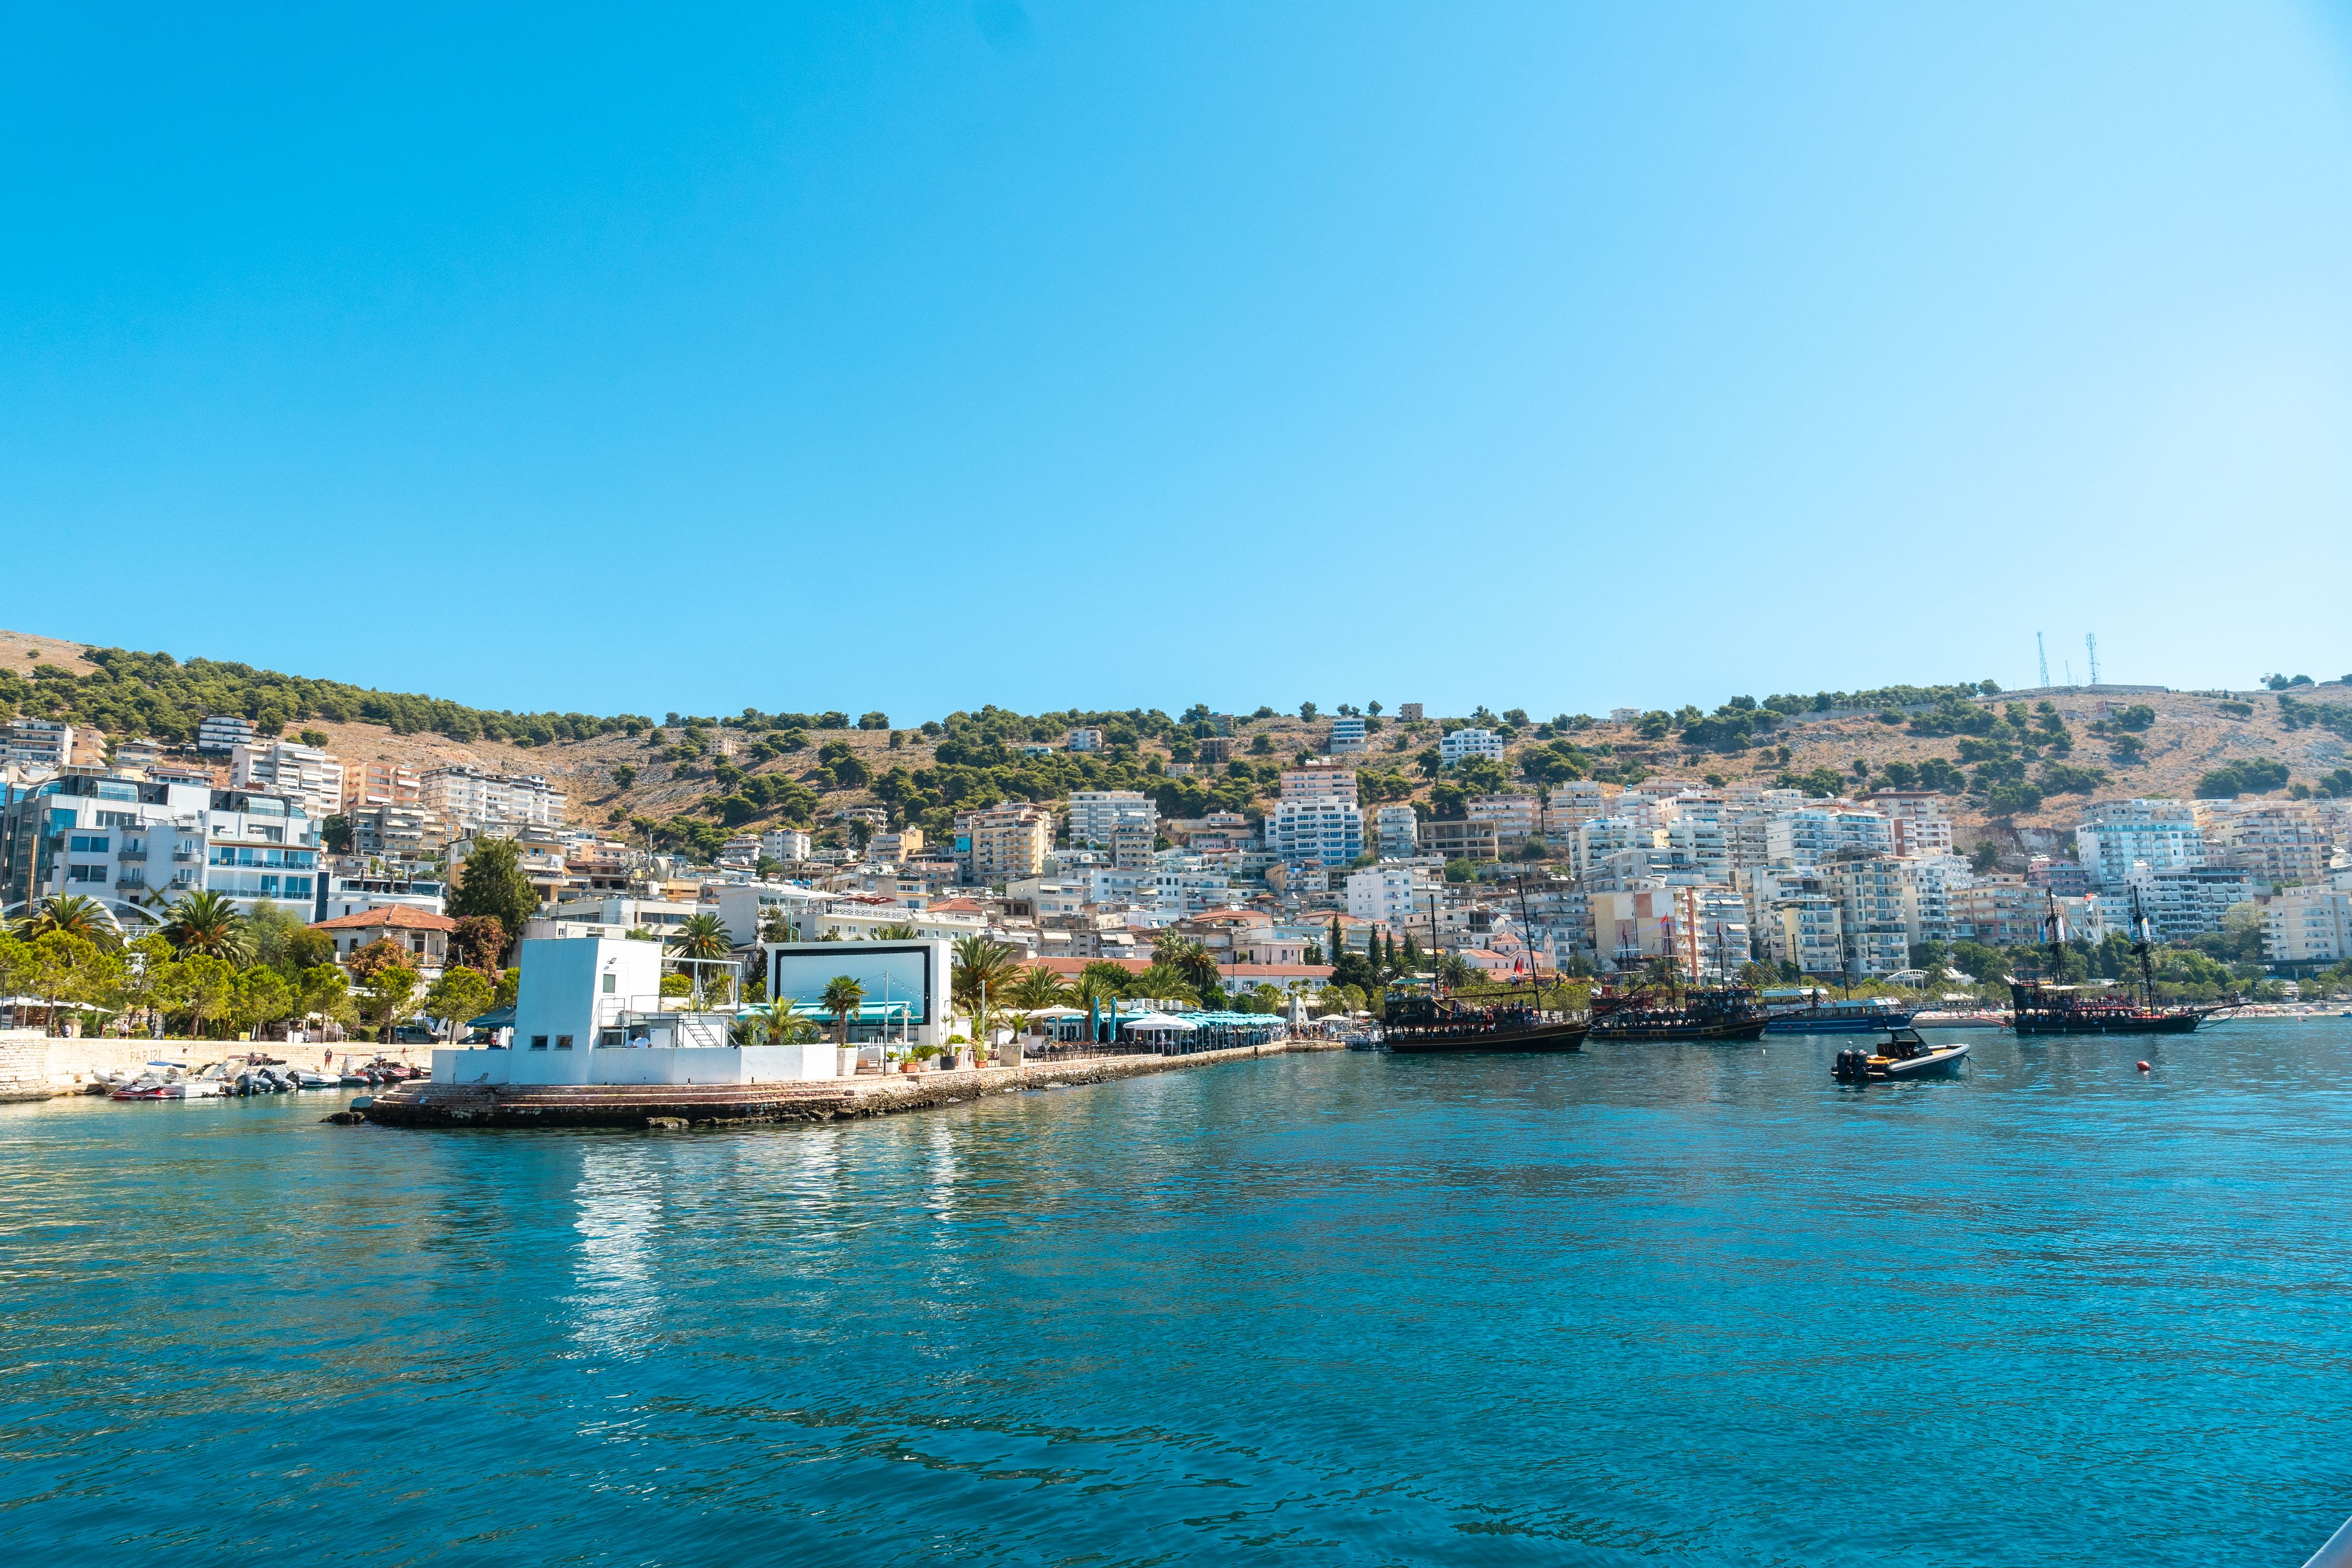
(34, 1067)
(730, 1105)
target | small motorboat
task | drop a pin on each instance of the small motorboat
(169, 1080)
(305, 1078)
(1903, 1055)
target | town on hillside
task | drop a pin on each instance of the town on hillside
(1911, 837)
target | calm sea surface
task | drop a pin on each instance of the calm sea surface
(1651, 1303)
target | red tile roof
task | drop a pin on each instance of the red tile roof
(390, 917)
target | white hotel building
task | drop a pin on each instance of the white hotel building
(468, 798)
(135, 844)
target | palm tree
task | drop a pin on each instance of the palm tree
(1190, 959)
(702, 936)
(205, 923)
(74, 916)
(1034, 987)
(896, 931)
(842, 996)
(983, 967)
(1165, 983)
(783, 1026)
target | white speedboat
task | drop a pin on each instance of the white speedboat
(1903, 1055)
(170, 1081)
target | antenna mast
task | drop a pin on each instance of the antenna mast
(2042, 654)
(2091, 647)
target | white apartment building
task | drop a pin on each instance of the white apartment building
(1319, 780)
(1096, 813)
(396, 832)
(1347, 734)
(1810, 836)
(281, 767)
(1330, 831)
(1599, 837)
(221, 733)
(1399, 827)
(1573, 804)
(1932, 880)
(2308, 925)
(1463, 744)
(1003, 842)
(468, 798)
(1395, 895)
(1083, 739)
(1698, 837)
(784, 844)
(2189, 900)
(40, 743)
(126, 842)
(2116, 836)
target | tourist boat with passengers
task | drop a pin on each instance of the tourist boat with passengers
(1421, 1026)
(1710, 1013)
(1904, 1054)
(2044, 1007)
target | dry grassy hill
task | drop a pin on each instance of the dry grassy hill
(2191, 736)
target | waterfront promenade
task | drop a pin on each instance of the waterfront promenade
(426, 1104)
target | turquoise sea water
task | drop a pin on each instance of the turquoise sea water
(1649, 1304)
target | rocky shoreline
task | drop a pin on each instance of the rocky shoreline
(674, 1106)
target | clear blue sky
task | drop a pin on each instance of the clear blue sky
(916, 356)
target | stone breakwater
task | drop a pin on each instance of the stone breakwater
(735, 1105)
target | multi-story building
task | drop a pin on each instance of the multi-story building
(340, 895)
(1328, 830)
(396, 832)
(468, 798)
(1086, 739)
(40, 743)
(2310, 925)
(902, 845)
(1998, 910)
(2063, 879)
(1918, 821)
(1461, 744)
(282, 767)
(128, 842)
(1873, 913)
(1930, 880)
(1517, 818)
(1409, 713)
(2190, 900)
(1807, 931)
(1451, 840)
(1395, 895)
(1399, 829)
(786, 844)
(1597, 839)
(1811, 836)
(2116, 836)
(1347, 734)
(223, 732)
(1573, 804)
(1319, 780)
(1096, 813)
(2277, 843)
(1003, 842)
(381, 783)
(1131, 846)
(1697, 832)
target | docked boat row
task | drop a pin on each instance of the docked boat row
(163, 1081)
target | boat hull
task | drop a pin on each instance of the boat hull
(1804, 1024)
(1467, 1039)
(1729, 1029)
(2096, 1024)
(1942, 1064)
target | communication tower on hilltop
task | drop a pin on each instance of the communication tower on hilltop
(2091, 647)
(2042, 654)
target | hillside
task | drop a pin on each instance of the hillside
(689, 781)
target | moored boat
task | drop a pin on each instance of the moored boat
(1720, 1013)
(1904, 1054)
(1847, 1015)
(1421, 1026)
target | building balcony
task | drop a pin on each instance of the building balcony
(132, 852)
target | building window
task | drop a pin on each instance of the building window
(562, 1042)
(539, 1042)
(89, 844)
